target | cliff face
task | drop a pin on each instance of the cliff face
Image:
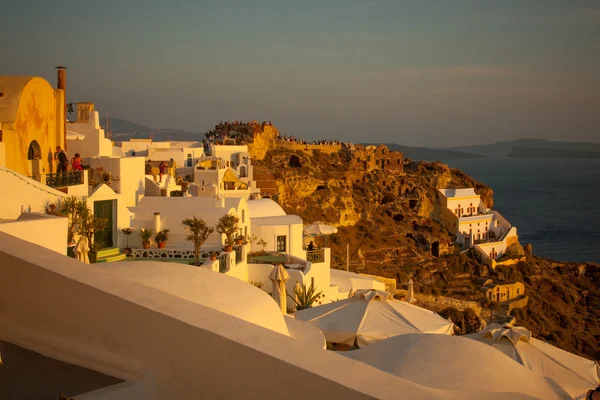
(377, 199)
(389, 214)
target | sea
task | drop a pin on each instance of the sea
(554, 203)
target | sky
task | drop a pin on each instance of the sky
(413, 72)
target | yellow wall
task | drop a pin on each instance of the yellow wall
(508, 291)
(35, 120)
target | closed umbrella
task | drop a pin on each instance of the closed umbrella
(574, 374)
(410, 296)
(279, 276)
(81, 250)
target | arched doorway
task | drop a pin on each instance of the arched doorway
(35, 151)
(34, 157)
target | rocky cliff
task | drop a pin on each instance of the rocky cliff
(388, 212)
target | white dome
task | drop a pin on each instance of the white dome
(264, 208)
(454, 363)
(210, 289)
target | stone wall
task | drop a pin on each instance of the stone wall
(325, 148)
(390, 283)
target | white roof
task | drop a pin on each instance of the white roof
(264, 208)
(372, 316)
(454, 363)
(217, 291)
(347, 281)
(281, 220)
(458, 192)
(576, 375)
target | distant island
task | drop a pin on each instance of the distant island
(533, 148)
(540, 152)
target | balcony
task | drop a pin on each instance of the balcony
(65, 179)
(315, 256)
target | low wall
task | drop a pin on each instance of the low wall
(460, 305)
(112, 325)
(517, 303)
(325, 148)
(390, 283)
(41, 229)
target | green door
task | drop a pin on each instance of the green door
(104, 209)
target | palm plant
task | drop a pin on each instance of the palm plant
(146, 235)
(162, 237)
(228, 226)
(72, 208)
(198, 233)
(89, 224)
(305, 297)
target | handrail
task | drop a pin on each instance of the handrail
(315, 256)
(64, 179)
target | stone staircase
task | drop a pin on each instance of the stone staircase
(110, 255)
(265, 181)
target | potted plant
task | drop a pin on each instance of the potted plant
(263, 244)
(146, 235)
(161, 238)
(94, 249)
(228, 226)
(213, 255)
(127, 232)
(198, 233)
(239, 239)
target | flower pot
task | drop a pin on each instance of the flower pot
(127, 251)
(146, 245)
(228, 248)
(213, 257)
(239, 242)
(161, 245)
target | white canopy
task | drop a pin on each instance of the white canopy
(576, 375)
(318, 228)
(455, 363)
(371, 316)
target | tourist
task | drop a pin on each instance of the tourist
(162, 170)
(149, 167)
(76, 163)
(311, 246)
(62, 161)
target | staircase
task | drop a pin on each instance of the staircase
(265, 181)
(110, 255)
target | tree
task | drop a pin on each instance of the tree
(228, 226)
(89, 224)
(198, 234)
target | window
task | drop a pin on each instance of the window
(189, 160)
(281, 243)
(518, 290)
(243, 216)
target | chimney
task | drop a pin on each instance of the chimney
(62, 84)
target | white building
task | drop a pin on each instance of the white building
(475, 225)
